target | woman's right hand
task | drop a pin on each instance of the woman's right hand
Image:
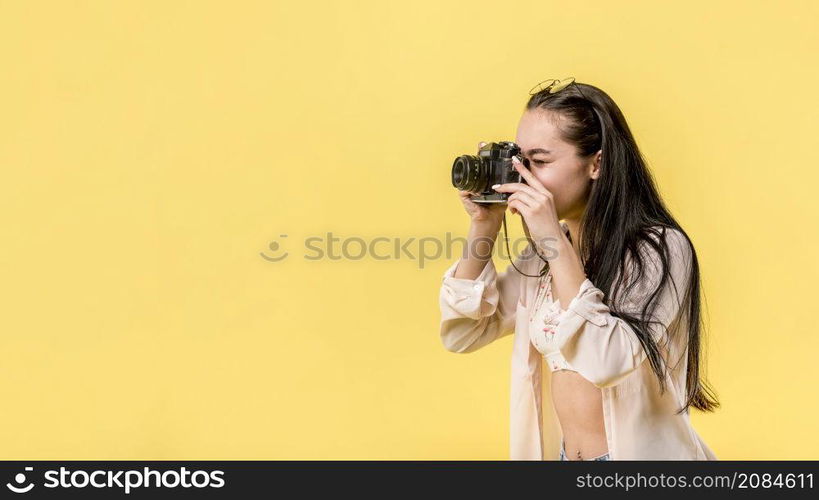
(489, 215)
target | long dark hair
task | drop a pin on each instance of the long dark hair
(623, 213)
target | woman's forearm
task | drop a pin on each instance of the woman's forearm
(567, 272)
(479, 244)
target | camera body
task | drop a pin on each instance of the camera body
(492, 165)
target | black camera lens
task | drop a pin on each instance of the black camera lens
(469, 174)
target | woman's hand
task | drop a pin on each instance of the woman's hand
(536, 205)
(488, 215)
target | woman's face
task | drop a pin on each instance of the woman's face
(555, 163)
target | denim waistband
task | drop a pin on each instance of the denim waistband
(604, 456)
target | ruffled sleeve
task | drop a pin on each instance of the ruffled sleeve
(603, 348)
(476, 312)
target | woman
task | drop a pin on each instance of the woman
(609, 299)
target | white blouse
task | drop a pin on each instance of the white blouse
(640, 423)
(543, 323)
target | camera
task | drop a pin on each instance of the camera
(492, 165)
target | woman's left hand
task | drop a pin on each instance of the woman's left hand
(535, 204)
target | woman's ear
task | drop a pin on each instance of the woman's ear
(595, 167)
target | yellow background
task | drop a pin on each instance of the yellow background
(152, 151)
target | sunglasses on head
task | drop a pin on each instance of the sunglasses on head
(553, 86)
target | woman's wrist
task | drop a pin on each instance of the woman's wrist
(561, 250)
(567, 271)
(552, 248)
(483, 228)
(480, 240)
(479, 243)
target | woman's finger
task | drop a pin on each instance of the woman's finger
(511, 205)
(517, 207)
(515, 187)
(525, 197)
(529, 176)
